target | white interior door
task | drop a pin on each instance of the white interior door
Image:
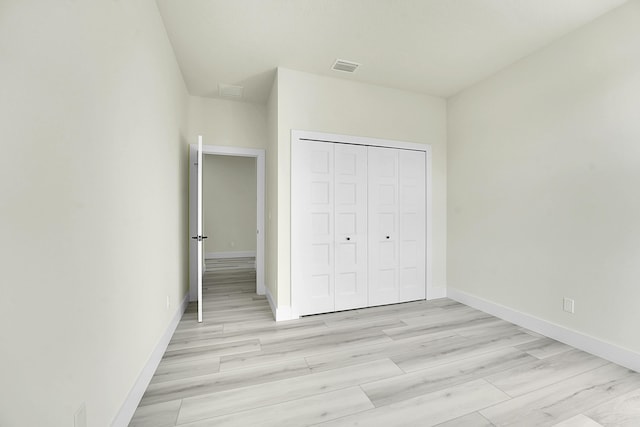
(350, 189)
(383, 225)
(412, 216)
(312, 222)
(199, 237)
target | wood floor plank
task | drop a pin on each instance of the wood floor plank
(258, 325)
(198, 332)
(396, 311)
(269, 331)
(237, 400)
(386, 349)
(579, 420)
(429, 409)
(273, 353)
(189, 324)
(295, 413)
(473, 419)
(576, 395)
(339, 334)
(159, 415)
(410, 385)
(445, 352)
(277, 348)
(190, 368)
(544, 347)
(208, 352)
(438, 315)
(622, 411)
(441, 326)
(488, 329)
(541, 373)
(206, 384)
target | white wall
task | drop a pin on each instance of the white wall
(271, 196)
(316, 103)
(543, 184)
(229, 200)
(93, 218)
(227, 123)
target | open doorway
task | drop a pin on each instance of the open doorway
(227, 241)
(229, 208)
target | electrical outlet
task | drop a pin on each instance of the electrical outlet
(167, 301)
(568, 305)
(80, 417)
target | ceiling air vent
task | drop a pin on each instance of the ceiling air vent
(230, 91)
(345, 66)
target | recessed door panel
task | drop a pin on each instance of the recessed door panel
(347, 163)
(321, 224)
(387, 280)
(321, 255)
(319, 159)
(346, 193)
(347, 286)
(320, 286)
(387, 223)
(351, 226)
(320, 192)
(347, 223)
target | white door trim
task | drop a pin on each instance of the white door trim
(297, 135)
(259, 155)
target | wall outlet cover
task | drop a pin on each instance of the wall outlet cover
(568, 305)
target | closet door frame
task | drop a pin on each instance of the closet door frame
(300, 135)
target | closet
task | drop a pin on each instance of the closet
(358, 215)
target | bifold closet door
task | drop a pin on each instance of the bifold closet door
(358, 226)
(350, 184)
(396, 225)
(312, 219)
(383, 225)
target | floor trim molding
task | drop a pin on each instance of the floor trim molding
(598, 347)
(279, 314)
(128, 408)
(238, 254)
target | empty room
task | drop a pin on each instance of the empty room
(320, 212)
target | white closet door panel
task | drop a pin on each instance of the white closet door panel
(383, 225)
(313, 227)
(350, 226)
(412, 216)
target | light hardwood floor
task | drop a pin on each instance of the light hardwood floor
(414, 364)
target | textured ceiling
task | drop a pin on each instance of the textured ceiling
(437, 47)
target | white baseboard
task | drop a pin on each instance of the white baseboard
(282, 313)
(598, 347)
(128, 408)
(238, 254)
